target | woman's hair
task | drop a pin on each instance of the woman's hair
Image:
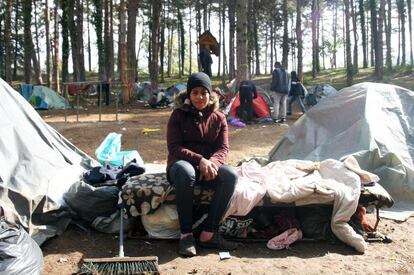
(294, 76)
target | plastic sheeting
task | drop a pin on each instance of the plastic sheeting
(373, 122)
(38, 166)
(19, 254)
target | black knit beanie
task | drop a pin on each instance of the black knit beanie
(197, 80)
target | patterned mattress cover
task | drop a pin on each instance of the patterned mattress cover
(144, 194)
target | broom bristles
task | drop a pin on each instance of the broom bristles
(121, 265)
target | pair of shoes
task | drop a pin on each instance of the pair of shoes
(280, 120)
(186, 247)
(217, 241)
(289, 114)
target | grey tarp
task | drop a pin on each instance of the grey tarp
(38, 166)
(373, 122)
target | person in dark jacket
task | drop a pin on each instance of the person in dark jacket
(296, 93)
(247, 92)
(197, 139)
(205, 59)
(280, 89)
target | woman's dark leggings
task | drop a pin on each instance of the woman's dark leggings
(184, 176)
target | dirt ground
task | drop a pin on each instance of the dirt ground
(63, 254)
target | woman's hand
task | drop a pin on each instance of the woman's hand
(208, 170)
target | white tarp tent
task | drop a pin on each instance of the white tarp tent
(373, 122)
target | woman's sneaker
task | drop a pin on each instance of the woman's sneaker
(186, 247)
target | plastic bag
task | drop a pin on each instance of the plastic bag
(109, 152)
(19, 253)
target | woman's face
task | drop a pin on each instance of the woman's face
(199, 98)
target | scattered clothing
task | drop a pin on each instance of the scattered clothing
(285, 239)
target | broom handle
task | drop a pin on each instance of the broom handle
(121, 234)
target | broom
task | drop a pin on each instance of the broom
(121, 264)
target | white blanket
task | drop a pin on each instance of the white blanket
(304, 183)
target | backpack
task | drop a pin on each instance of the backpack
(310, 99)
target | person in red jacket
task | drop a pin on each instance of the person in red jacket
(197, 139)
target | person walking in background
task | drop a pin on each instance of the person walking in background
(197, 140)
(205, 59)
(296, 92)
(247, 92)
(280, 89)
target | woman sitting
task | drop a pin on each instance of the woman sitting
(197, 139)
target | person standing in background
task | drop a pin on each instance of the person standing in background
(247, 92)
(296, 92)
(280, 89)
(205, 59)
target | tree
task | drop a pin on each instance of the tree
(401, 16)
(299, 41)
(315, 42)
(47, 27)
(380, 55)
(28, 43)
(349, 69)
(132, 8)
(285, 41)
(97, 22)
(123, 52)
(56, 43)
(155, 36)
(410, 28)
(363, 33)
(354, 25)
(242, 67)
(232, 27)
(8, 42)
(388, 38)
(374, 32)
(65, 41)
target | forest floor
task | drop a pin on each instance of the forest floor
(63, 254)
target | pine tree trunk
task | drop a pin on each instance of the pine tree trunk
(232, 29)
(335, 34)
(242, 66)
(47, 29)
(349, 70)
(79, 41)
(89, 36)
(8, 43)
(374, 32)
(155, 36)
(56, 43)
(132, 10)
(314, 38)
(16, 34)
(401, 9)
(123, 51)
(354, 25)
(285, 42)
(256, 40)
(388, 38)
(27, 20)
(299, 41)
(410, 27)
(380, 54)
(363, 33)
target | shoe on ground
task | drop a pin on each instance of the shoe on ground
(217, 241)
(289, 114)
(280, 120)
(186, 246)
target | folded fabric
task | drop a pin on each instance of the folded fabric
(285, 239)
